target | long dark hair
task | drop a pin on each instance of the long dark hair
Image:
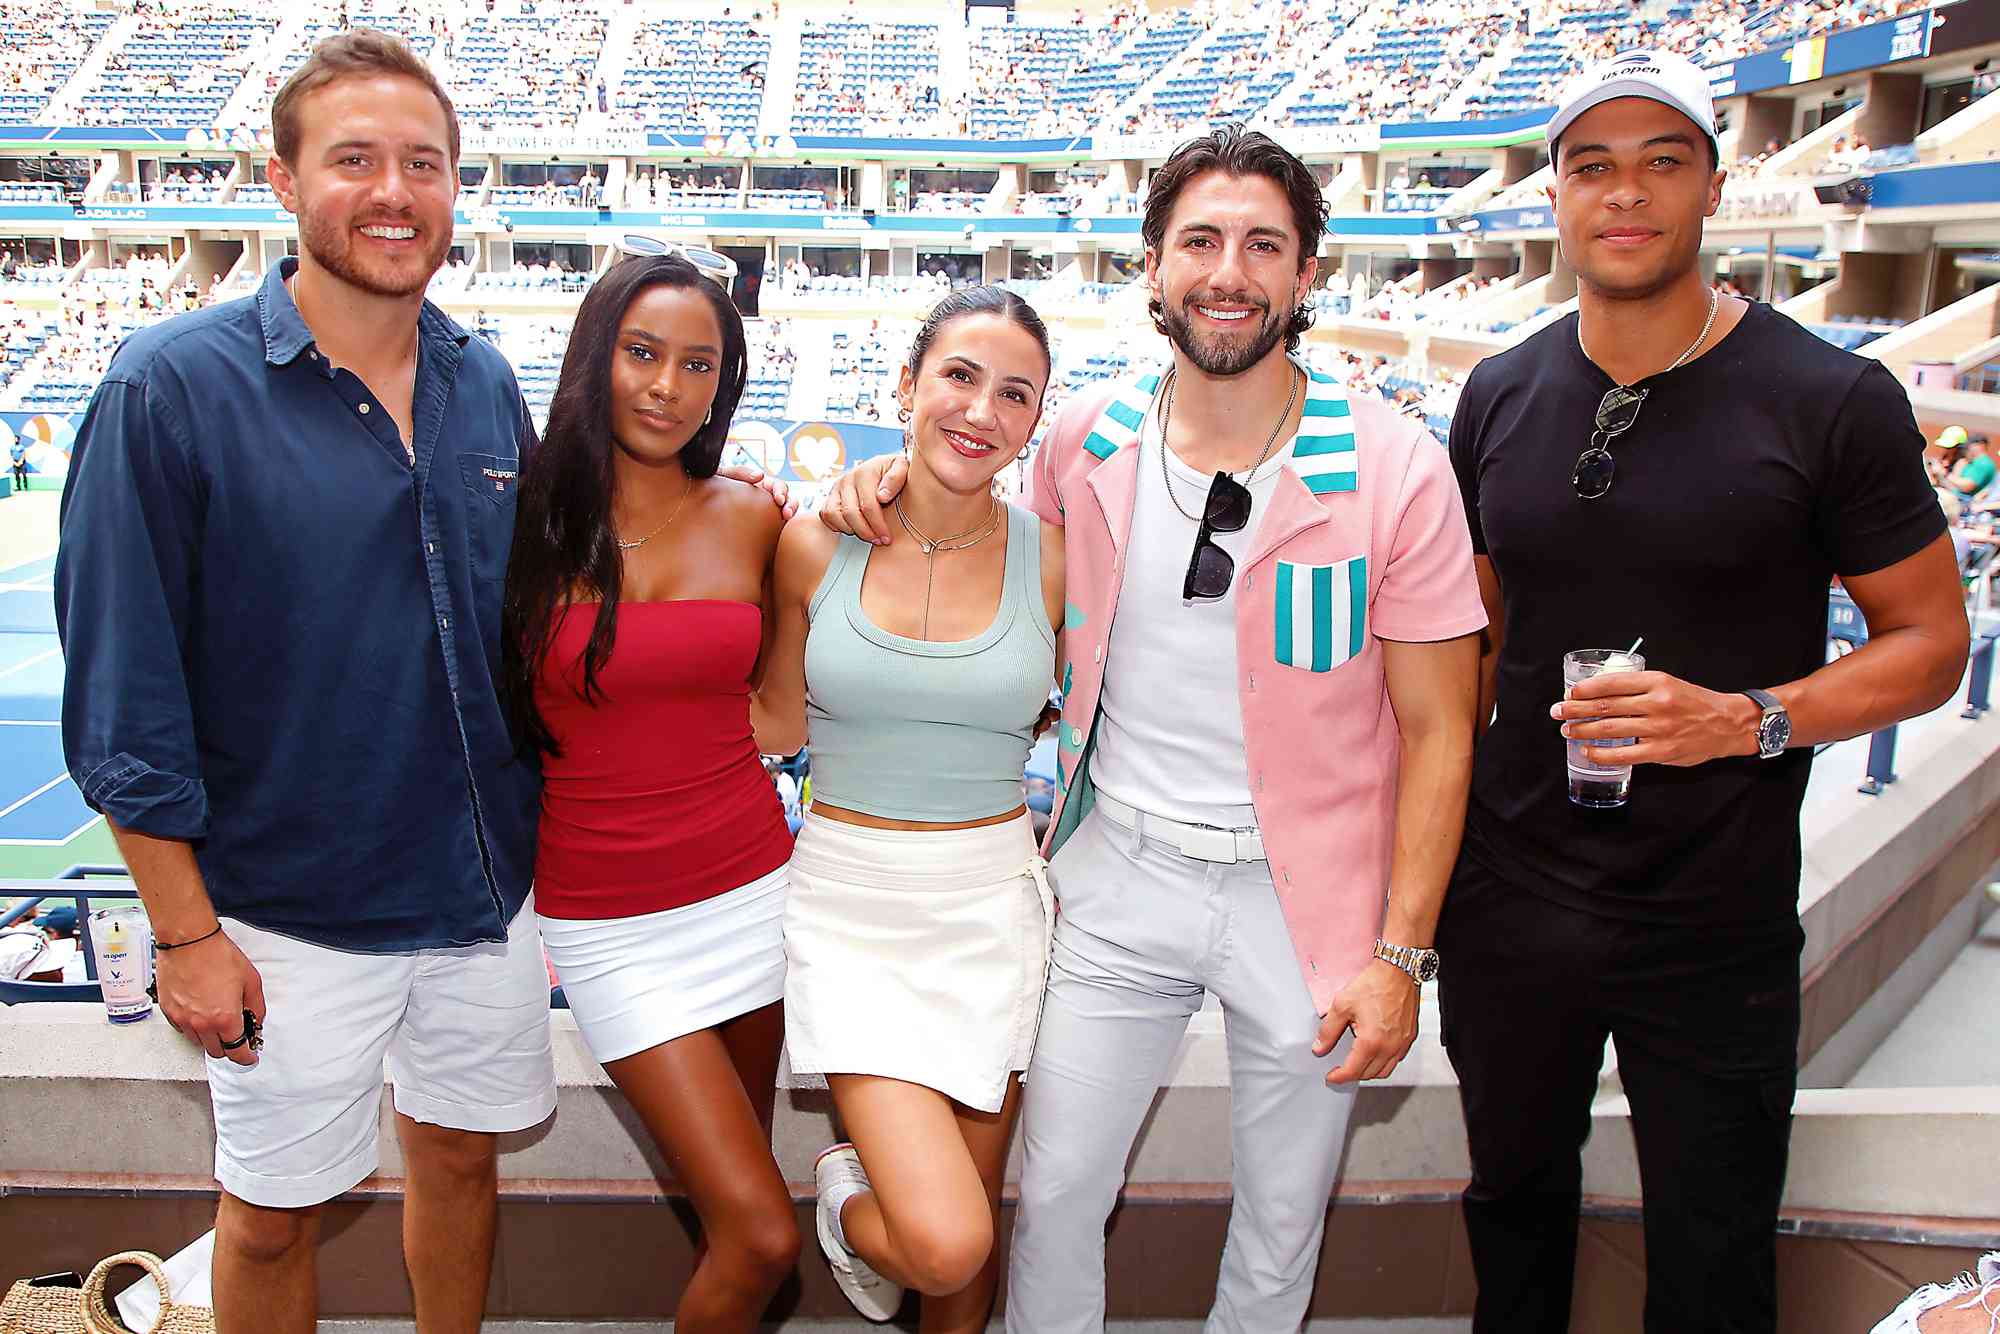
(1235, 151)
(563, 541)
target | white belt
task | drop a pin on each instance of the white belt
(1205, 842)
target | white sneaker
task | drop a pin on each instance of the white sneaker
(872, 1295)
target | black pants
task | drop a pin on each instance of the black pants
(1707, 1022)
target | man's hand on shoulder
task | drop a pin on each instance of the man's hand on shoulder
(859, 501)
(774, 487)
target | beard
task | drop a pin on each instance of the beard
(1218, 353)
(331, 245)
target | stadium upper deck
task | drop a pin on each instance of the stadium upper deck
(859, 158)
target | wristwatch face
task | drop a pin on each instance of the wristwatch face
(1427, 965)
(1774, 735)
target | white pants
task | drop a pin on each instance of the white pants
(1143, 932)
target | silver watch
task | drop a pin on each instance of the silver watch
(1421, 965)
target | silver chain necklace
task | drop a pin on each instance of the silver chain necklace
(1166, 419)
(933, 545)
(1681, 360)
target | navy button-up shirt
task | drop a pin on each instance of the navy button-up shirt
(283, 639)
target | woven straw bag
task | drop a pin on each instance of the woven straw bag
(30, 1310)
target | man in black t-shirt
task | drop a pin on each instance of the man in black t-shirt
(1739, 464)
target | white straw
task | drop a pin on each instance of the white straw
(1635, 644)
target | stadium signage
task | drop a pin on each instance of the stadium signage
(569, 143)
(1336, 139)
(1757, 201)
(1905, 38)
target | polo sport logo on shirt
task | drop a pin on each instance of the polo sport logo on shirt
(501, 477)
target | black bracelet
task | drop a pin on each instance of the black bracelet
(163, 945)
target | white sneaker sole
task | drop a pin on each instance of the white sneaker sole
(879, 1305)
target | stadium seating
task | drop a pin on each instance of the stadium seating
(1016, 70)
(524, 69)
(866, 78)
(41, 44)
(178, 70)
(1853, 332)
(1228, 81)
(1551, 58)
(412, 28)
(695, 76)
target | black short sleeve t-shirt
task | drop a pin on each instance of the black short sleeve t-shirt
(1752, 476)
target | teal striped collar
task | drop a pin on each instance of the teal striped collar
(1324, 456)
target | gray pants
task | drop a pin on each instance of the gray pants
(1144, 931)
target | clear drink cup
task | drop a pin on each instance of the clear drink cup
(1598, 786)
(121, 941)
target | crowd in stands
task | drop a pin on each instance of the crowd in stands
(541, 274)
(668, 189)
(1409, 67)
(31, 272)
(537, 67)
(44, 42)
(529, 69)
(94, 316)
(694, 75)
(865, 78)
(176, 186)
(179, 67)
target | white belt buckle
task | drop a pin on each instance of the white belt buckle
(1209, 844)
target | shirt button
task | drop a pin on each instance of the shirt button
(430, 548)
(364, 409)
(1249, 582)
(1253, 680)
(444, 622)
(1075, 736)
(1098, 655)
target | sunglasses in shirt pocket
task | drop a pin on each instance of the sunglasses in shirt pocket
(1320, 614)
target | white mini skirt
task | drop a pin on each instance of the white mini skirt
(918, 955)
(635, 982)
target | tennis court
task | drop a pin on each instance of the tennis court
(44, 824)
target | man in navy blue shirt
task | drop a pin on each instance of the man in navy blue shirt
(283, 541)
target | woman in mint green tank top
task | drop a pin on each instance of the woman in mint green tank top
(917, 929)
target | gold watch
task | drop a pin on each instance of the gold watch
(1421, 965)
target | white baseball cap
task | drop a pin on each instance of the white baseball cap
(1658, 76)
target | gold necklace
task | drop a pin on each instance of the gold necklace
(623, 545)
(932, 546)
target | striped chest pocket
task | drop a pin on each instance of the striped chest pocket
(1321, 614)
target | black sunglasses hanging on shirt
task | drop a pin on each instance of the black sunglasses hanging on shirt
(1210, 569)
(1615, 415)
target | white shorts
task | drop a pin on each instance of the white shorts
(465, 1032)
(635, 982)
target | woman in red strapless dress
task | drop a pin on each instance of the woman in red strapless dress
(635, 620)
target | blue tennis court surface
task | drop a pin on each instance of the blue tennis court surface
(39, 805)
